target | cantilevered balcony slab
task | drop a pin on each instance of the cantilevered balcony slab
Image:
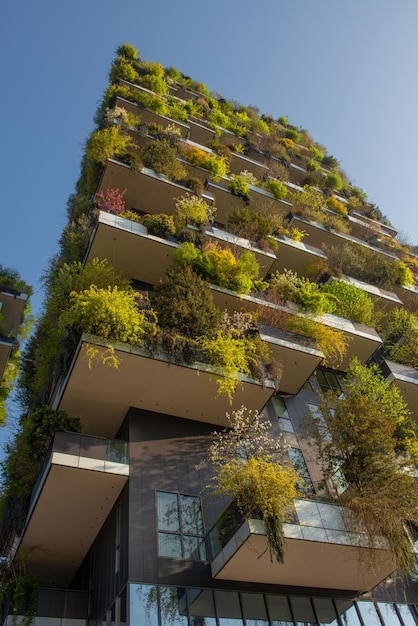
(12, 306)
(298, 355)
(130, 248)
(226, 201)
(387, 300)
(146, 191)
(297, 256)
(322, 551)
(81, 477)
(320, 236)
(238, 245)
(405, 378)
(6, 345)
(241, 162)
(151, 117)
(199, 132)
(101, 395)
(362, 341)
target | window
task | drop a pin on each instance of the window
(180, 526)
(327, 380)
(305, 484)
(282, 414)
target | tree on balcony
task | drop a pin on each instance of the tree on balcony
(368, 434)
(247, 468)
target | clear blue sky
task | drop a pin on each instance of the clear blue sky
(346, 71)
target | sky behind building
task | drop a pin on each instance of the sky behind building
(344, 71)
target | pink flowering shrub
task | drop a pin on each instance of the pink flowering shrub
(111, 201)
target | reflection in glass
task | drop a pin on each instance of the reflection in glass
(201, 609)
(173, 606)
(229, 611)
(143, 605)
(169, 545)
(254, 609)
(369, 613)
(194, 548)
(303, 611)
(278, 608)
(325, 611)
(168, 514)
(191, 517)
(408, 614)
(347, 612)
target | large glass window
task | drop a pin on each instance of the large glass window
(180, 526)
(305, 484)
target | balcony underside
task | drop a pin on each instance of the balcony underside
(319, 236)
(406, 380)
(12, 307)
(362, 340)
(146, 191)
(307, 563)
(296, 256)
(5, 352)
(54, 542)
(130, 249)
(102, 395)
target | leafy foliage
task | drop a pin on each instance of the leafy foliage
(358, 432)
(108, 143)
(350, 302)
(247, 469)
(220, 266)
(162, 157)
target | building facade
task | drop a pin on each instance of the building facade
(121, 526)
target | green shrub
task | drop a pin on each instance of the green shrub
(155, 83)
(317, 153)
(123, 70)
(128, 51)
(160, 225)
(333, 181)
(108, 143)
(313, 166)
(109, 312)
(191, 209)
(239, 187)
(184, 303)
(252, 225)
(350, 302)
(277, 188)
(162, 157)
(294, 135)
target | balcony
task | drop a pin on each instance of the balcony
(199, 132)
(324, 549)
(387, 300)
(363, 340)
(151, 117)
(12, 306)
(102, 395)
(296, 256)
(240, 162)
(225, 201)
(146, 191)
(238, 245)
(130, 248)
(80, 476)
(406, 380)
(6, 346)
(320, 236)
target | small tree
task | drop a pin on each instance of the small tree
(246, 462)
(361, 432)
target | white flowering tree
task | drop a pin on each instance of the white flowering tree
(247, 463)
